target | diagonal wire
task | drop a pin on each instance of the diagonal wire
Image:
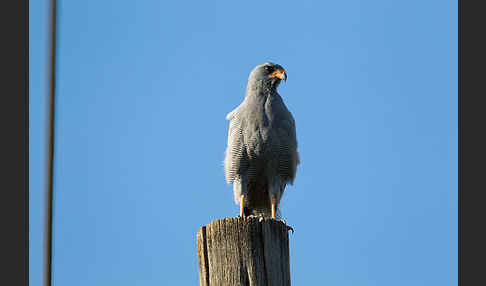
(50, 137)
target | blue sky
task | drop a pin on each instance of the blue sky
(143, 91)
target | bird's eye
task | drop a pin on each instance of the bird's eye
(268, 68)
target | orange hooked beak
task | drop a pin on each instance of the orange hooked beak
(280, 74)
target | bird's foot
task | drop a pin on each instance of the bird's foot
(287, 227)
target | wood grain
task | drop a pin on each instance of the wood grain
(243, 251)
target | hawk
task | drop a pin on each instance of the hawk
(261, 156)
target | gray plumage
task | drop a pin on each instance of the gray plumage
(261, 156)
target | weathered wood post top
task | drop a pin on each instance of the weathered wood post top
(244, 251)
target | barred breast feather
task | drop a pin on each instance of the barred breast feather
(236, 159)
(261, 138)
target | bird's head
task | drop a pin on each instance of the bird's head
(269, 74)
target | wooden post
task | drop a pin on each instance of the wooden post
(243, 251)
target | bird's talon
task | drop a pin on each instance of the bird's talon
(287, 227)
(290, 228)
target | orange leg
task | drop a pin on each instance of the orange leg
(242, 205)
(272, 201)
